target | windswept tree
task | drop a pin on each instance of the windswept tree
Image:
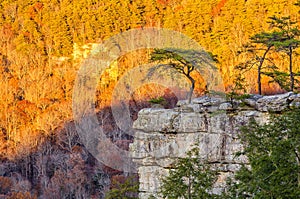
(183, 61)
(175, 60)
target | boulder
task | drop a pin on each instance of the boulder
(274, 103)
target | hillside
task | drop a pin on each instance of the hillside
(38, 68)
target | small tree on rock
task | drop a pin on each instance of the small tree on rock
(260, 46)
(191, 178)
(283, 38)
(287, 41)
(177, 62)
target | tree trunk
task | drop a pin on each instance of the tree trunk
(291, 69)
(189, 97)
(259, 69)
(259, 80)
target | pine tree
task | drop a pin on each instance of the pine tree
(283, 38)
(172, 59)
(288, 40)
(260, 46)
(191, 178)
(273, 151)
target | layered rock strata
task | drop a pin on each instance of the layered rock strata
(211, 123)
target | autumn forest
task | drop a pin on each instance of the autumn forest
(42, 45)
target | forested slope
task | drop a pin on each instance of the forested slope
(37, 38)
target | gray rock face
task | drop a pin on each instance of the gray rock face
(251, 101)
(275, 103)
(162, 135)
(226, 106)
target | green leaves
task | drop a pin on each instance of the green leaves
(284, 37)
(173, 58)
(191, 178)
(183, 61)
(273, 153)
(287, 41)
(286, 33)
(159, 100)
(126, 190)
(265, 38)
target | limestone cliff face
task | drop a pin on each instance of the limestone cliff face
(162, 135)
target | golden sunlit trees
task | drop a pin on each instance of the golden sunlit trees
(261, 44)
(37, 73)
(287, 42)
(283, 38)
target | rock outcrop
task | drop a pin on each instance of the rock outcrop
(212, 123)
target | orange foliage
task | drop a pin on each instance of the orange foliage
(164, 2)
(36, 88)
(5, 185)
(21, 195)
(216, 10)
(7, 31)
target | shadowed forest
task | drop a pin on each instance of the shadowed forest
(43, 42)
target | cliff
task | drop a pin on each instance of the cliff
(162, 135)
